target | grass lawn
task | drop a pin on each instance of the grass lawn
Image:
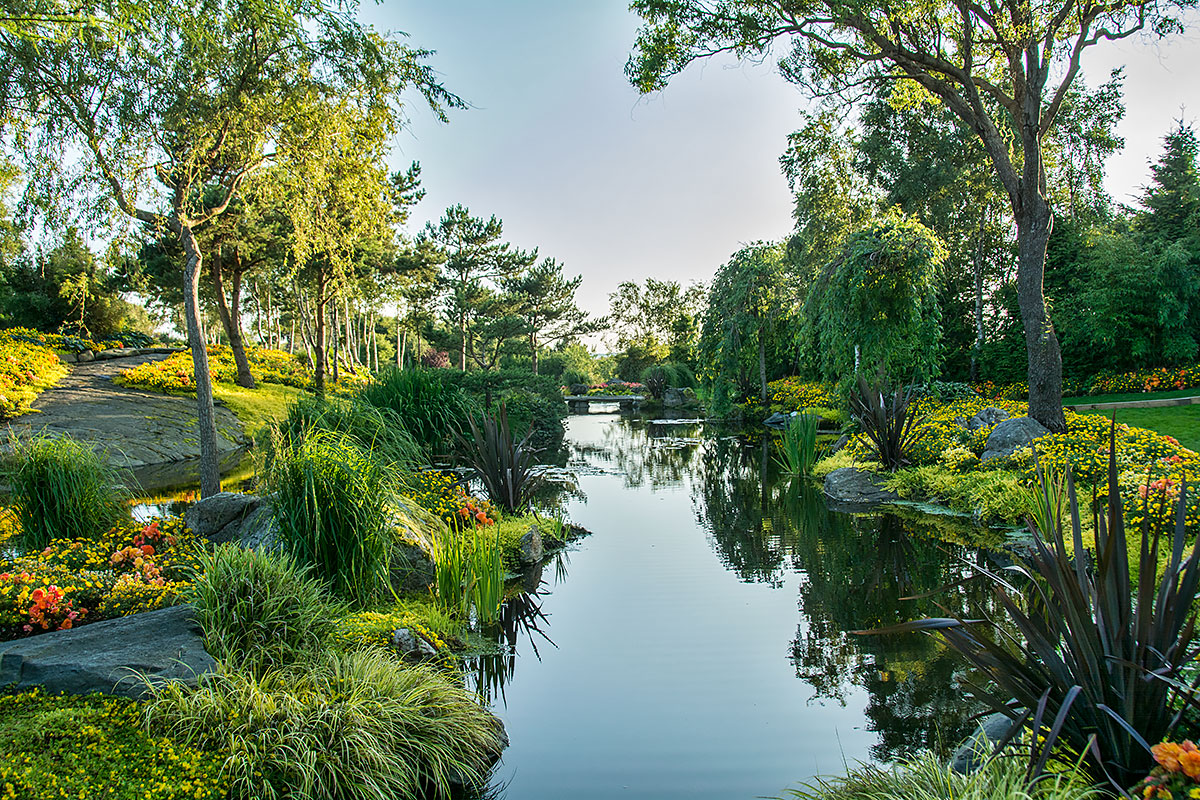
(257, 407)
(1182, 422)
(1122, 398)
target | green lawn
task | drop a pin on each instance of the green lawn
(256, 407)
(1121, 398)
(1182, 422)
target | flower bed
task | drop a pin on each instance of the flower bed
(131, 568)
(26, 370)
(797, 394)
(74, 344)
(1159, 379)
(440, 494)
(176, 373)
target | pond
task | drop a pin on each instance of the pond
(698, 644)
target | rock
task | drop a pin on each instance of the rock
(103, 656)
(1011, 435)
(778, 420)
(218, 518)
(579, 388)
(85, 356)
(673, 398)
(258, 531)
(987, 418)
(412, 646)
(412, 568)
(971, 754)
(840, 444)
(963, 423)
(532, 549)
(68, 358)
(851, 489)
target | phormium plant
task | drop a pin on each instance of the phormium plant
(503, 465)
(1086, 659)
(887, 421)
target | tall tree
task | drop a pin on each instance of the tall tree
(545, 303)
(1004, 68)
(475, 260)
(192, 95)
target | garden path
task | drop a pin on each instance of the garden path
(133, 428)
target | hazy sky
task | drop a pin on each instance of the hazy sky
(617, 186)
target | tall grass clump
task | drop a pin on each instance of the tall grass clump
(657, 378)
(431, 408)
(333, 507)
(258, 610)
(469, 572)
(796, 449)
(379, 430)
(504, 465)
(926, 777)
(1082, 656)
(61, 489)
(356, 726)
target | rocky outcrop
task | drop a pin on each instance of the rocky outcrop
(987, 418)
(234, 517)
(851, 489)
(1011, 435)
(412, 568)
(677, 398)
(412, 646)
(112, 656)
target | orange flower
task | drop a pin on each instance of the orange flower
(1189, 761)
(148, 549)
(1167, 754)
(480, 516)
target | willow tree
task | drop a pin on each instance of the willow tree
(1004, 67)
(162, 118)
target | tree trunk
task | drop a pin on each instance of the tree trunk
(318, 357)
(400, 342)
(333, 332)
(977, 350)
(462, 341)
(1034, 223)
(533, 348)
(231, 316)
(210, 467)
(258, 315)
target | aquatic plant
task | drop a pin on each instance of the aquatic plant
(61, 489)
(1084, 657)
(796, 450)
(503, 465)
(469, 570)
(357, 726)
(333, 505)
(258, 610)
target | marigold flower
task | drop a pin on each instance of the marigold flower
(1189, 762)
(1167, 755)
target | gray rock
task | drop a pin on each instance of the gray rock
(67, 358)
(85, 356)
(1011, 435)
(840, 444)
(978, 748)
(258, 531)
(411, 646)
(218, 518)
(104, 656)
(412, 568)
(851, 489)
(674, 398)
(579, 388)
(987, 418)
(778, 420)
(532, 549)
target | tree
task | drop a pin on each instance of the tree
(192, 96)
(751, 303)
(1003, 68)
(545, 302)
(475, 259)
(649, 315)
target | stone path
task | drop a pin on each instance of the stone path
(134, 428)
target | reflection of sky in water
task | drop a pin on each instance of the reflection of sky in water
(685, 619)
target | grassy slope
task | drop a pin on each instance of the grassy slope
(256, 407)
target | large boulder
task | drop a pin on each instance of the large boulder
(532, 548)
(675, 398)
(1011, 435)
(851, 489)
(412, 568)
(110, 656)
(987, 418)
(219, 517)
(978, 748)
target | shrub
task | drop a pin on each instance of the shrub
(431, 408)
(503, 466)
(26, 370)
(355, 725)
(64, 747)
(796, 394)
(333, 506)
(1089, 662)
(176, 373)
(887, 423)
(927, 777)
(258, 610)
(61, 489)
(378, 430)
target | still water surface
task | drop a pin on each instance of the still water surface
(696, 644)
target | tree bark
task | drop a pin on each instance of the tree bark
(977, 349)
(762, 364)
(1034, 223)
(319, 345)
(210, 468)
(533, 349)
(400, 342)
(231, 316)
(333, 330)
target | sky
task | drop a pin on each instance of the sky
(618, 186)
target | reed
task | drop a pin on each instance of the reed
(797, 448)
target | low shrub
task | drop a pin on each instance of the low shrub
(334, 504)
(65, 747)
(61, 489)
(430, 406)
(796, 394)
(258, 610)
(357, 725)
(989, 495)
(26, 370)
(374, 627)
(176, 373)
(888, 423)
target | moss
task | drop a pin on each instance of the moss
(996, 495)
(842, 458)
